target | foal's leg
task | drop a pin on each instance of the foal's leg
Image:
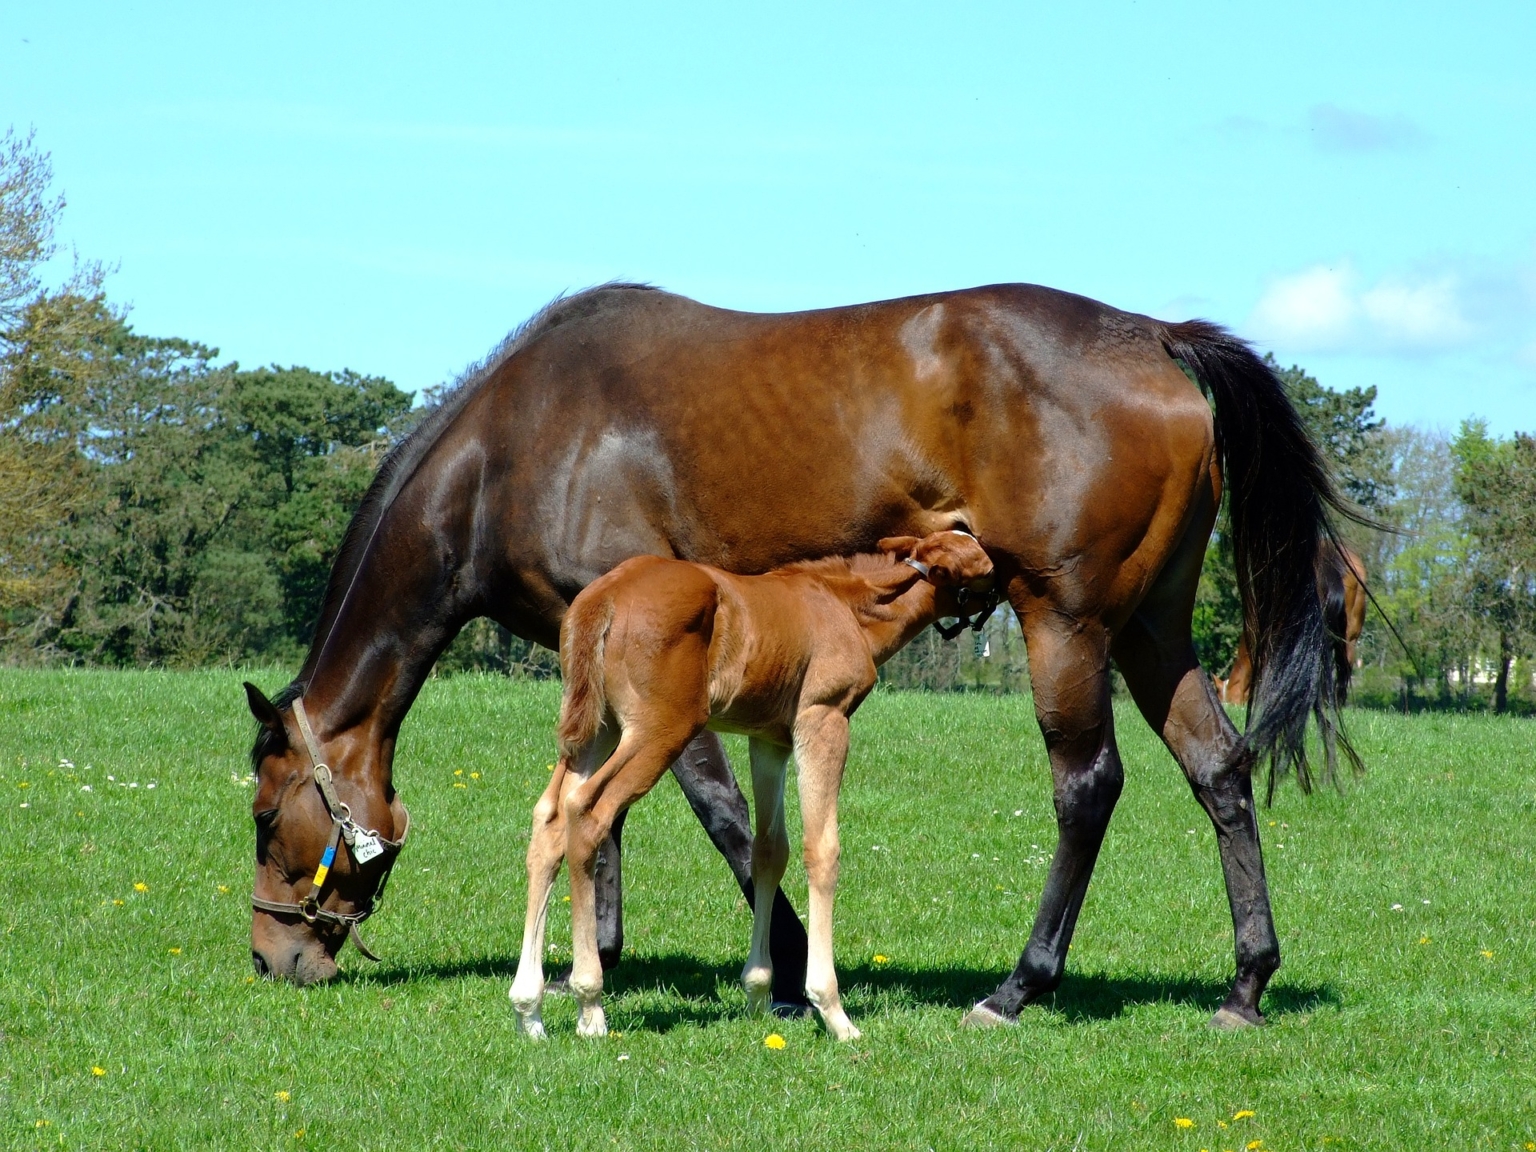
(770, 855)
(821, 749)
(642, 758)
(1069, 671)
(546, 848)
(705, 776)
(1174, 694)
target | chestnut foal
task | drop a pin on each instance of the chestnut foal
(657, 650)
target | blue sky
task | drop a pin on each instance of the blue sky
(390, 188)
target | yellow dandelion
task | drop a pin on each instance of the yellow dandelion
(565, 899)
(98, 1070)
(1423, 939)
(1271, 823)
(458, 771)
(250, 979)
(773, 1040)
(549, 767)
(175, 951)
(1243, 1114)
(474, 775)
(1487, 954)
(1183, 1122)
(879, 959)
(298, 1133)
(140, 886)
(1253, 1145)
(283, 1097)
(43, 1124)
(459, 784)
(223, 889)
(1530, 1147)
(119, 903)
(1221, 1123)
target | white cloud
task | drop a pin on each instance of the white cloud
(1423, 315)
(1327, 308)
(1309, 310)
(1336, 129)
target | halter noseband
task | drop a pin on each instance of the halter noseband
(973, 618)
(364, 844)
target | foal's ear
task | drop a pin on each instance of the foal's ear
(263, 709)
(898, 547)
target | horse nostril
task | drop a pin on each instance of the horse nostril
(260, 963)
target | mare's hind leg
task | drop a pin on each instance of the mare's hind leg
(1069, 671)
(1174, 694)
(770, 856)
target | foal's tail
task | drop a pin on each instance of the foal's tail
(585, 697)
(1281, 502)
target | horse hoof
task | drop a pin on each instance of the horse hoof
(532, 1028)
(1231, 1020)
(790, 1009)
(983, 1017)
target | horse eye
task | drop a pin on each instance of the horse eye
(266, 818)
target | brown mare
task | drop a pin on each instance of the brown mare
(656, 650)
(625, 421)
(1344, 600)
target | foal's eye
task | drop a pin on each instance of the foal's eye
(265, 819)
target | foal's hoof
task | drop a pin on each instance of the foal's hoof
(982, 1016)
(1232, 1019)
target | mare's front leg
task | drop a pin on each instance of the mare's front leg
(705, 776)
(770, 855)
(821, 750)
(1069, 672)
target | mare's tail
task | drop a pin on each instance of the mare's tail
(584, 700)
(1281, 501)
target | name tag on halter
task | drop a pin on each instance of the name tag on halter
(365, 847)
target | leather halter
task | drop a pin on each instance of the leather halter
(970, 617)
(363, 843)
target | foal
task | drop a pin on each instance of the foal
(657, 650)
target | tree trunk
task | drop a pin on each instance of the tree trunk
(1501, 685)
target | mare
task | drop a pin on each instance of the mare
(623, 421)
(1342, 587)
(655, 651)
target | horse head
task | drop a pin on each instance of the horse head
(328, 829)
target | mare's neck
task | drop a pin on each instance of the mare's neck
(402, 609)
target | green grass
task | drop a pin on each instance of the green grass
(1389, 1029)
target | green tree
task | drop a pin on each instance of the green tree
(1496, 484)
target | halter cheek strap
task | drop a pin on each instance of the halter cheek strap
(364, 844)
(972, 618)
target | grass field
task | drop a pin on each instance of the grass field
(129, 1018)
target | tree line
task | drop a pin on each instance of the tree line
(158, 507)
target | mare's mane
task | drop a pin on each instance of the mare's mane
(400, 464)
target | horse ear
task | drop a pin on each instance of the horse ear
(263, 709)
(898, 547)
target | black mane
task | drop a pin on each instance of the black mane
(401, 464)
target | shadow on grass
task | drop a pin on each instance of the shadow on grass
(699, 985)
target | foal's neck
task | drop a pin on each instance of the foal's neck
(899, 605)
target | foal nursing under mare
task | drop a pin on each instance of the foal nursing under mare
(1068, 436)
(656, 650)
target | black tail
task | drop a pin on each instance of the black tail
(1280, 501)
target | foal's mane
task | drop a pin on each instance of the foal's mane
(400, 464)
(846, 572)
